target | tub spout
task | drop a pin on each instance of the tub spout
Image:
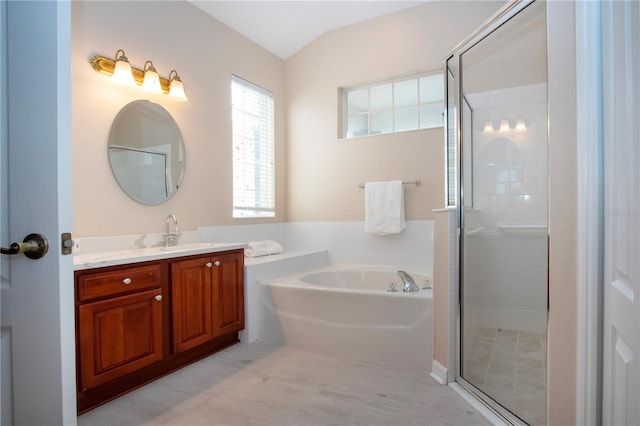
(409, 284)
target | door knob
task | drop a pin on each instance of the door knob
(34, 246)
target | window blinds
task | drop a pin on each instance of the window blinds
(452, 161)
(253, 150)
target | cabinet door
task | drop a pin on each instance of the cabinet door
(191, 292)
(118, 336)
(228, 294)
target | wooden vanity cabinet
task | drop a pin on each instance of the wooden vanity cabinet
(207, 295)
(119, 323)
(138, 322)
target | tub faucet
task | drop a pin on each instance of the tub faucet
(409, 283)
(171, 238)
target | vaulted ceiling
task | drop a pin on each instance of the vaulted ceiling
(284, 27)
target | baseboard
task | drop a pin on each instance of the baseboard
(439, 373)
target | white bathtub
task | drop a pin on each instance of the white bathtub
(347, 312)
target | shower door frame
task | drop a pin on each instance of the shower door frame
(494, 23)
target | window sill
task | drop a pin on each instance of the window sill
(390, 133)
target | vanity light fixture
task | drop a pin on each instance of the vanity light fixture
(504, 126)
(488, 127)
(122, 72)
(176, 88)
(151, 82)
(520, 125)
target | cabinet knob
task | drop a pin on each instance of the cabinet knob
(208, 264)
(158, 297)
(217, 263)
(127, 281)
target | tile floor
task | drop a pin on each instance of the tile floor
(509, 366)
(258, 384)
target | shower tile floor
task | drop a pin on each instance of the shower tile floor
(259, 384)
(509, 366)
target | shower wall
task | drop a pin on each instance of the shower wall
(507, 233)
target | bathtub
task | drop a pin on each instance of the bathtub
(347, 311)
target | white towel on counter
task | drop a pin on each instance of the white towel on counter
(262, 248)
(384, 208)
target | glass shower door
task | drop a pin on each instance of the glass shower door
(503, 195)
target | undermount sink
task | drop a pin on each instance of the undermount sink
(191, 246)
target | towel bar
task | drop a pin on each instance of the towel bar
(412, 182)
(500, 226)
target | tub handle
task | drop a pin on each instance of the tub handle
(392, 287)
(428, 285)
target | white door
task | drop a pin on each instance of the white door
(621, 105)
(37, 331)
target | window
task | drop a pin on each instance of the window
(253, 150)
(394, 106)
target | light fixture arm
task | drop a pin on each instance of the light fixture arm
(106, 66)
(173, 74)
(149, 68)
(122, 56)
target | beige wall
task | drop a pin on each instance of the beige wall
(323, 171)
(441, 290)
(205, 54)
(561, 369)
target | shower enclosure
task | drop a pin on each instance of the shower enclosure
(497, 124)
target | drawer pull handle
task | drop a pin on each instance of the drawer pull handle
(208, 264)
(217, 263)
(127, 281)
(158, 297)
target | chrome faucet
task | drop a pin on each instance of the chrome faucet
(409, 283)
(171, 238)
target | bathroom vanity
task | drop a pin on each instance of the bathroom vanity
(141, 314)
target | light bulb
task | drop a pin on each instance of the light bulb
(151, 82)
(488, 127)
(504, 126)
(520, 125)
(122, 71)
(176, 88)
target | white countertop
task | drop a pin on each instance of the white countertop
(122, 257)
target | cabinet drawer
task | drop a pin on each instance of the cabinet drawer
(101, 284)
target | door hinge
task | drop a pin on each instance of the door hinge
(67, 243)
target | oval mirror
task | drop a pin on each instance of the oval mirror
(146, 152)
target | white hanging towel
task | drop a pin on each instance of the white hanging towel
(384, 208)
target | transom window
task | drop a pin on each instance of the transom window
(394, 106)
(253, 150)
